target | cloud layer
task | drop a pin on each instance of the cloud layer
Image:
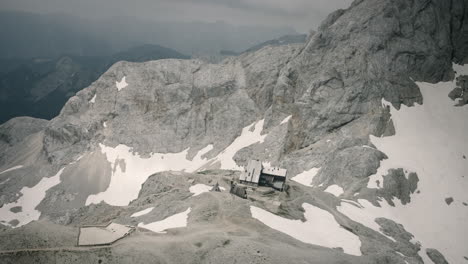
(300, 14)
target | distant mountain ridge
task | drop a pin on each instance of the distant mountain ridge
(57, 34)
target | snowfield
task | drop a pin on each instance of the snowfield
(30, 199)
(305, 178)
(126, 180)
(430, 140)
(320, 228)
(174, 221)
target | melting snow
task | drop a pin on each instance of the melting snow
(93, 100)
(174, 221)
(286, 120)
(12, 168)
(142, 212)
(365, 213)
(126, 184)
(122, 84)
(335, 190)
(431, 141)
(29, 201)
(320, 228)
(306, 177)
(246, 139)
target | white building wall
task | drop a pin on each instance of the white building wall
(275, 171)
(252, 172)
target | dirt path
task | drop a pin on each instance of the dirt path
(222, 224)
(4, 252)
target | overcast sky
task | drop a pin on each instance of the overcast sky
(302, 15)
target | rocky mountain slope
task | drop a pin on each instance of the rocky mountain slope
(360, 116)
(41, 87)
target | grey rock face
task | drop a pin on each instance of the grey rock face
(17, 129)
(449, 200)
(172, 104)
(408, 250)
(351, 164)
(21, 145)
(396, 184)
(362, 56)
(460, 93)
(436, 256)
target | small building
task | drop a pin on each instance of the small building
(102, 235)
(257, 175)
(238, 190)
(251, 174)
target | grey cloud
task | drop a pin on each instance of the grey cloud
(300, 14)
(252, 6)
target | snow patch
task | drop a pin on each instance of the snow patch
(335, 190)
(142, 212)
(320, 228)
(12, 169)
(430, 140)
(363, 212)
(200, 188)
(5, 181)
(93, 100)
(122, 84)
(29, 201)
(286, 120)
(306, 177)
(174, 221)
(366, 146)
(104, 124)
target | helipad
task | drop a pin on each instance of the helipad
(102, 235)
